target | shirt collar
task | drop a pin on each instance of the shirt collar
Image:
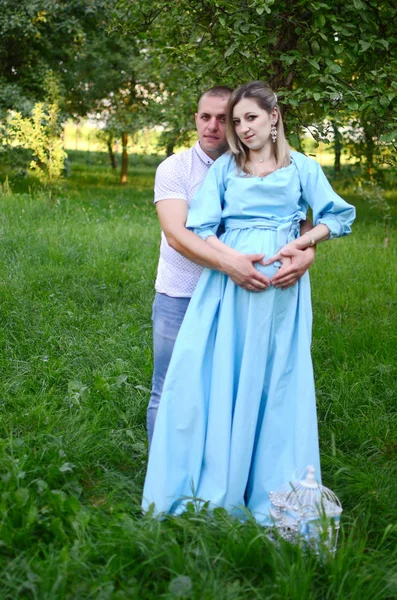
(202, 155)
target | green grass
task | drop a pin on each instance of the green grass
(76, 285)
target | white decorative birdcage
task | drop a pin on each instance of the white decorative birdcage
(307, 510)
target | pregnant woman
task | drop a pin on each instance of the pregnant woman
(237, 416)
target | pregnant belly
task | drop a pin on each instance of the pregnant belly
(255, 240)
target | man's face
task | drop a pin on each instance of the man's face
(211, 124)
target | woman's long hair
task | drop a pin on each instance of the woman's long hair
(267, 100)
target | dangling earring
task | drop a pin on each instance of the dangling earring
(273, 133)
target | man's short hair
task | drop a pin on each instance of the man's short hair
(220, 91)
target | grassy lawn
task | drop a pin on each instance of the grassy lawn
(76, 286)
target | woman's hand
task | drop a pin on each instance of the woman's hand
(301, 253)
(295, 263)
(280, 254)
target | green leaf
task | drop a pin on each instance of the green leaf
(142, 388)
(245, 53)
(181, 586)
(313, 63)
(316, 96)
(333, 67)
(41, 486)
(101, 384)
(364, 45)
(384, 43)
(66, 467)
(22, 496)
(72, 504)
(384, 101)
(319, 5)
(319, 21)
(294, 140)
(32, 515)
(389, 137)
(230, 50)
(352, 105)
(74, 386)
(121, 379)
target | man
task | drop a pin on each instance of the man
(177, 180)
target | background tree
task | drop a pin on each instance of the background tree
(327, 59)
(332, 63)
(94, 68)
(41, 134)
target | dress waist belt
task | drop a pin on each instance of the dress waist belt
(286, 232)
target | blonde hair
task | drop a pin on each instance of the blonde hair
(266, 99)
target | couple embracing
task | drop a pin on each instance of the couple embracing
(237, 416)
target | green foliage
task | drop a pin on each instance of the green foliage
(40, 133)
(75, 370)
(374, 194)
(144, 63)
(325, 59)
(69, 38)
(5, 188)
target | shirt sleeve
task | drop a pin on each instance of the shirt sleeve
(168, 183)
(328, 207)
(205, 211)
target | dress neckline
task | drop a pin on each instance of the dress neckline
(269, 174)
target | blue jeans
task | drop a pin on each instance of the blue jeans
(167, 318)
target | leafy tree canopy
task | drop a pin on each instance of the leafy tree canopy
(68, 38)
(327, 58)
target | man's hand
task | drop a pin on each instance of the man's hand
(295, 263)
(240, 268)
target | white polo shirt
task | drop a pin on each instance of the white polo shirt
(179, 177)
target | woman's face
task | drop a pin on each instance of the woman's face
(252, 124)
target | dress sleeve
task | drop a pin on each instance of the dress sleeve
(327, 206)
(205, 211)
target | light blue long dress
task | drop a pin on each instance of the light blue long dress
(237, 416)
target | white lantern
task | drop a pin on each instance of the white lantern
(305, 509)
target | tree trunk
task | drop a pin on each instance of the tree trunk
(337, 147)
(369, 149)
(112, 156)
(170, 148)
(275, 72)
(124, 157)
